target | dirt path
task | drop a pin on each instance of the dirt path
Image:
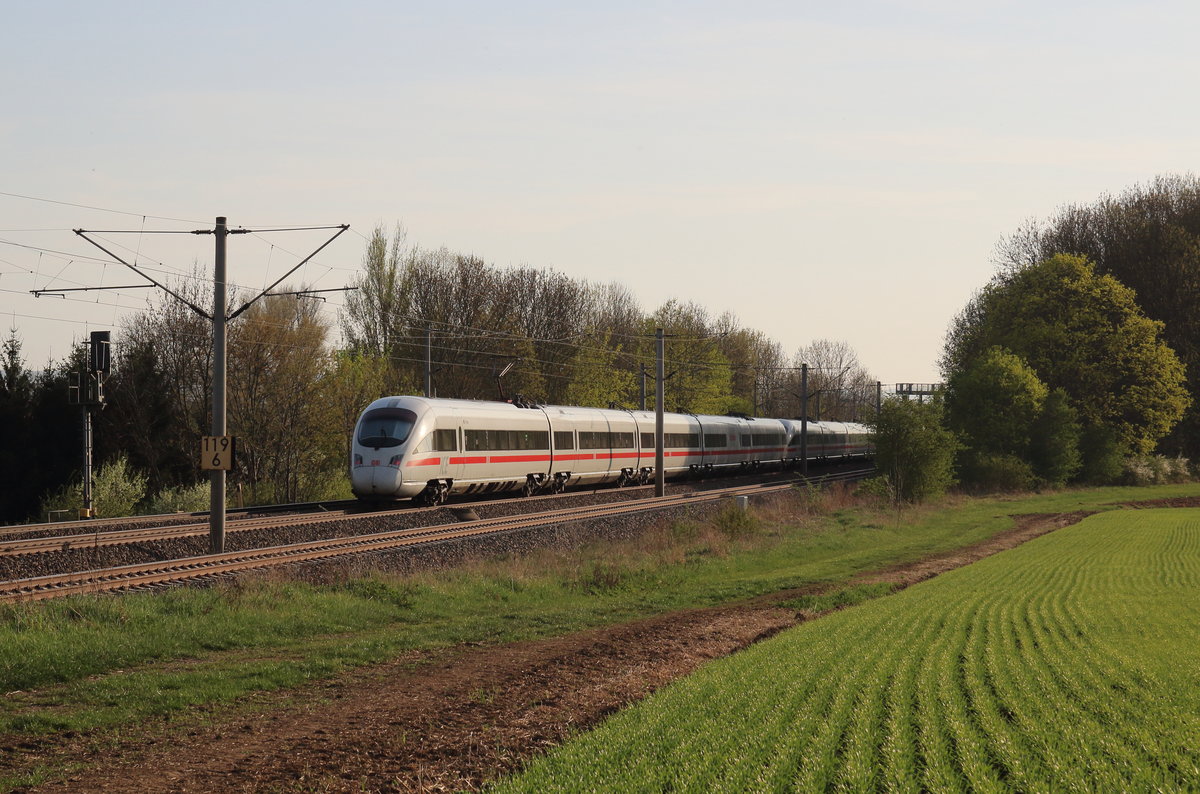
(455, 719)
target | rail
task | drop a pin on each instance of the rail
(213, 565)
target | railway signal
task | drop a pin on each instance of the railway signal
(88, 393)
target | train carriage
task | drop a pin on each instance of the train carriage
(429, 449)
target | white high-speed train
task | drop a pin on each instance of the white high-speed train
(429, 449)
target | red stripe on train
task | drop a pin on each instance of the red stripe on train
(520, 459)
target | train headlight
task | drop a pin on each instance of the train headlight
(357, 459)
(395, 461)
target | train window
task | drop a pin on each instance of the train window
(385, 427)
(745, 440)
(445, 440)
(767, 439)
(622, 440)
(714, 439)
(532, 439)
(564, 439)
(589, 439)
(503, 440)
(647, 441)
(681, 440)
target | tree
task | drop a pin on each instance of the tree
(16, 427)
(1148, 238)
(700, 379)
(992, 404)
(838, 384)
(914, 449)
(1054, 445)
(596, 381)
(289, 442)
(1083, 333)
(161, 386)
(373, 317)
(140, 418)
(350, 382)
(52, 456)
(758, 364)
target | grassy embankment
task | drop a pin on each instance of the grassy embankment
(85, 663)
(1068, 664)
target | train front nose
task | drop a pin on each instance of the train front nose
(374, 475)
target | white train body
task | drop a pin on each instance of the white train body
(416, 447)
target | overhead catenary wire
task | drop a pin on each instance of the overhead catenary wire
(92, 207)
(475, 333)
(467, 331)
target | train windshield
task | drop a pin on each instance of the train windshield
(385, 427)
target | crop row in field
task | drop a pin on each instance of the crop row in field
(1070, 663)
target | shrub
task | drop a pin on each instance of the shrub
(876, 488)
(914, 449)
(1156, 470)
(1103, 456)
(184, 499)
(991, 472)
(116, 490)
(734, 522)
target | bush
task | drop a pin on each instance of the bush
(1054, 444)
(116, 490)
(184, 499)
(1103, 456)
(876, 488)
(734, 522)
(914, 449)
(1156, 470)
(991, 473)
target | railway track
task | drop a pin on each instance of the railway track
(155, 533)
(92, 526)
(206, 567)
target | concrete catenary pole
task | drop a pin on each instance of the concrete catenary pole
(660, 481)
(804, 419)
(216, 519)
(88, 512)
(429, 361)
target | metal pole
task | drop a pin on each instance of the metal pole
(87, 458)
(429, 361)
(804, 419)
(660, 482)
(643, 393)
(878, 398)
(216, 516)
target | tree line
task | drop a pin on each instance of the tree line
(1080, 353)
(295, 389)
(571, 341)
(1080, 359)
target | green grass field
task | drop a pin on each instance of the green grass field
(1071, 663)
(96, 664)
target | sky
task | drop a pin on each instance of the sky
(835, 171)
